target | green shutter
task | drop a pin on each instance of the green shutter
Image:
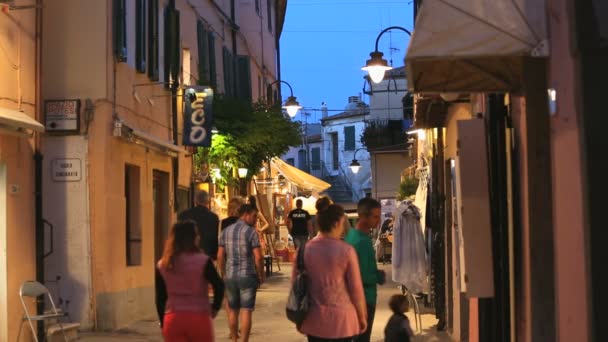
(140, 35)
(228, 62)
(153, 40)
(120, 30)
(244, 78)
(316, 158)
(203, 53)
(212, 65)
(349, 138)
(172, 45)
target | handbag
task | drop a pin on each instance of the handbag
(298, 300)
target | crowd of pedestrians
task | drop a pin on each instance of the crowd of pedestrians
(339, 261)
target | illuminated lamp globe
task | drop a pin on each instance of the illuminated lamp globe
(242, 172)
(376, 66)
(292, 106)
(355, 166)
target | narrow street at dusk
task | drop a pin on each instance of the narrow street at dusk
(269, 321)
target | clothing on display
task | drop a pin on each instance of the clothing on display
(409, 253)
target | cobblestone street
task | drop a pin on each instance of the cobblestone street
(269, 321)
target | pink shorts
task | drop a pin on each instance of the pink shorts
(188, 327)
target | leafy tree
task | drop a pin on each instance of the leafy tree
(248, 135)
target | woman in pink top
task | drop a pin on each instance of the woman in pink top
(337, 305)
(183, 276)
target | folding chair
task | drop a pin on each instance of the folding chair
(33, 290)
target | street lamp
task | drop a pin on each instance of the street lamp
(291, 105)
(242, 172)
(355, 165)
(376, 66)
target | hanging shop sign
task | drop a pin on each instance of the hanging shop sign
(62, 116)
(198, 116)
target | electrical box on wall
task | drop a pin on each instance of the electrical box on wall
(474, 211)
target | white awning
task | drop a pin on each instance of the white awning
(475, 45)
(18, 123)
(298, 177)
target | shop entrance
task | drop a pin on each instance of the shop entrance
(3, 256)
(160, 197)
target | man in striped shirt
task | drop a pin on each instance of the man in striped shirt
(240, 261)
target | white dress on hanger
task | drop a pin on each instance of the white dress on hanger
(409, 254)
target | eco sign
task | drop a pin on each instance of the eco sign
(198, 116)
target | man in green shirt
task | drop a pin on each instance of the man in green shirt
(368, 210)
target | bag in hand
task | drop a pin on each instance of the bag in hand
(297, 302)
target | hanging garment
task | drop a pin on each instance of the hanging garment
(409, 254)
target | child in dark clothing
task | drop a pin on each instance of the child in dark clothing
(398, 327)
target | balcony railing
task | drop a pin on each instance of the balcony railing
(385, 133)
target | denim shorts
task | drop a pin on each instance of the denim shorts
(240, 292)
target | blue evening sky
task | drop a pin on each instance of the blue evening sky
(325, 43)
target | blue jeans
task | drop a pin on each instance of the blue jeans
(241, 292)
(299, 240)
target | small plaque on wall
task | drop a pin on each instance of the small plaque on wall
(66, 170)
(62, 116)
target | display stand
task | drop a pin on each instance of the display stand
(412, 299)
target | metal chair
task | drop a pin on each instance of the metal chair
(33, 290)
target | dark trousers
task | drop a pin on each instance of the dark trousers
(365, 337)
(319, 339)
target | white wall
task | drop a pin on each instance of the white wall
(385, 104)
(386, 173)
(360, 179)
(66, 208)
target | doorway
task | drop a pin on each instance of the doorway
(160, 199)
(3, 256)
(334, 151)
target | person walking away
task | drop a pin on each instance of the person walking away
(337, 309)
(234, 205)
(240, 262)
(206, 221)
(183, 275)
(368, 210)
(299, 225)
(398, 328)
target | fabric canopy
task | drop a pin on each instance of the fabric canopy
(298, 177)
(475, 45)
(18, 121)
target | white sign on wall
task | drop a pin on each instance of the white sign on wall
(66, 170)
(62, 116)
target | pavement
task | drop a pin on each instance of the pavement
(269, 321)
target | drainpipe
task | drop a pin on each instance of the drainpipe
(278, 47)
(38, 157)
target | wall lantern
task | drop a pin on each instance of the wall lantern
(376, 66)
(355, 166)
(291, 105)
(242, 172)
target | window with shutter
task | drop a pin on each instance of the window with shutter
(315, 154)
(349, 138)
(140, 35)
(212, 64)
(153, 40)
(172, 46)
(269, 12)
(120, 30)
(203, 53)
(243, 78)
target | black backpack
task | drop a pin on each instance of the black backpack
(298, 301)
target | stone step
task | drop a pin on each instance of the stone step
(54, 332)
